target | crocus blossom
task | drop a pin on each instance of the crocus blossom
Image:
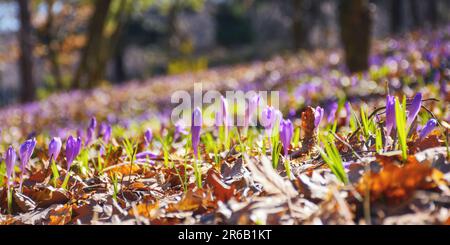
(222, 118)
(414, 108)
(145, 154)
(251, 109)
(10, 160)
(390, 114)
(107, 133)
(318, 115)
(332, 113)
(286, 132)
(90, 133)
(195, 129)
(179, 130)
(73, 148)
(348, 112)
(428, 128)
(268, 119)
(25, 152)
(54, 148)
(148, 135)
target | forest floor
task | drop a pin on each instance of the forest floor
(351, 156)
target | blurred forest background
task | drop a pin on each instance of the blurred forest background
(48, 46)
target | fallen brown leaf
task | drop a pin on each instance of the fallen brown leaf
(61, 215)
(396, 183)
(45, 196)
(222, 191)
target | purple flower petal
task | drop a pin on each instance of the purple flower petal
(195, 129)
(428, 128)
(414, 108)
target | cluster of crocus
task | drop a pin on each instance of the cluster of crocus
(413, 110)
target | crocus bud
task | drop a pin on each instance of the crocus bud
(268, 118)
(145, 154)
(90, 132)
(222, 113)
(286, 132)
(73, 148)
(26, 150)
(414, 108)
(107, 133)
(332, 113)
(251, 109)
(93, 123)
(428, 128)
(195, 129)
(318, 115)
(10, 160)
(390, 114)
(54, 148)
(348, 112)
(179, 130)
(148, 135)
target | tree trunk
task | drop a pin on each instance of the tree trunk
(51, 46)
(396, 16)
(299, 38)
(90, 55)
(111, 43)
(433, 13)
(415, 14)
(26, 53)
(119, 66)
(355, 20)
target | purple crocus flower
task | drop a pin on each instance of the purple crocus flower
(54, 147)
(195, 129)
(251, 109)
(268, 118)
(286, 132)
(10, 160)
(390, 114)
(25, 152)
(332, 113)
(73, 148)
(107, 133)
(148, 135)
(222, 113)
(428, 128)
(414, 108)
(318, 115)
(90, 133)
(179, 130)
(145, 154)
(348, 112)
